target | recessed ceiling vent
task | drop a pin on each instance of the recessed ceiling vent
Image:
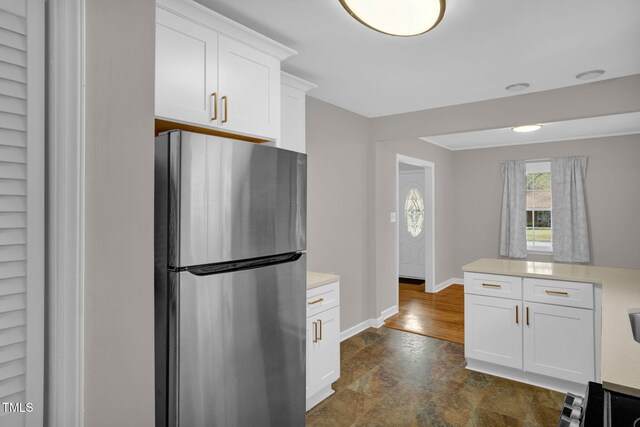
(589, 75)
(517, 87)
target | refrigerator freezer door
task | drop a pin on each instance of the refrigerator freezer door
(241, 341)
(237, 200)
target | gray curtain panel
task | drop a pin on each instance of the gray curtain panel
(513, 221)
(568, 211)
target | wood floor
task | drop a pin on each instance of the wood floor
(439, 315)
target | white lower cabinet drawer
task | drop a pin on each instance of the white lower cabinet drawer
(493, 285)
(323, 298)
(559, 342)
(571, 294)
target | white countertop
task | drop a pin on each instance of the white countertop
(620, 368)
(318, 279)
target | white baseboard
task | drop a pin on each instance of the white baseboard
(543, 381)
(369, 323)
(447, 283)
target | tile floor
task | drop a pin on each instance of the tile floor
(395, 378)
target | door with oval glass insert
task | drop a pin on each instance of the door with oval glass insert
(412, 222)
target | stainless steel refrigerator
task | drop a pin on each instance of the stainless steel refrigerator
(230, 282)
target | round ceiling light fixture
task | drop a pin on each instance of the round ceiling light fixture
(589, 75)
(517, 87)
(526, 128)
(397, 17)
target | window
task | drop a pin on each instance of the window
(414, 212)
(539, 221)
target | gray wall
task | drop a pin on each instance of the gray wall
(340, 233)
(612, 189)
(467, 185)
(386, 275)
(118, 329)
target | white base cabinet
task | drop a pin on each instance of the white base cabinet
(323, 342)
(534, 330)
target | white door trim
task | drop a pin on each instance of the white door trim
(430, 278)
(66, 212)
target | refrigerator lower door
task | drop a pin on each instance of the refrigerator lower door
(241, 347)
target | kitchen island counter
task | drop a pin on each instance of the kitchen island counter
(620, 292)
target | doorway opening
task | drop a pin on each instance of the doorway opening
(415, 222)
(420, 309)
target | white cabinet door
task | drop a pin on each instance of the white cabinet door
(186, 70)
(249, 83)
(323, 350)
(558, 342)
(493, 330)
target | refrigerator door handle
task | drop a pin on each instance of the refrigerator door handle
(248, 264)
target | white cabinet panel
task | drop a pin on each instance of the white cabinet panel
(249, 88)
(292, 136)
(493, 330)
(186, 69)
(558, 342)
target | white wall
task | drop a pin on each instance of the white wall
(119, 373)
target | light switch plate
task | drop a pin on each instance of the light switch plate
(393, 217)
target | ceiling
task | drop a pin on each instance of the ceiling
(479, 48)
(594, 127)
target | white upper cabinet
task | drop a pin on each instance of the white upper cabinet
(186, 69)
(214, 73)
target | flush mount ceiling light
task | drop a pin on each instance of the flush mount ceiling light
(517, 87)
(397, 17)
(589, 75)
(526, 128)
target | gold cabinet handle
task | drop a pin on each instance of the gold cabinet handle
(316, 301)
(320, 337)
(517, 316)
(214, 95)
(556, 292)
(315, 332)
(224, 109)
(527, 316)
(491, 285)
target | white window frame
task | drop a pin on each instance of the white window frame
(539, 166)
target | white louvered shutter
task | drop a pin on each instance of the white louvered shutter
(21, 212)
